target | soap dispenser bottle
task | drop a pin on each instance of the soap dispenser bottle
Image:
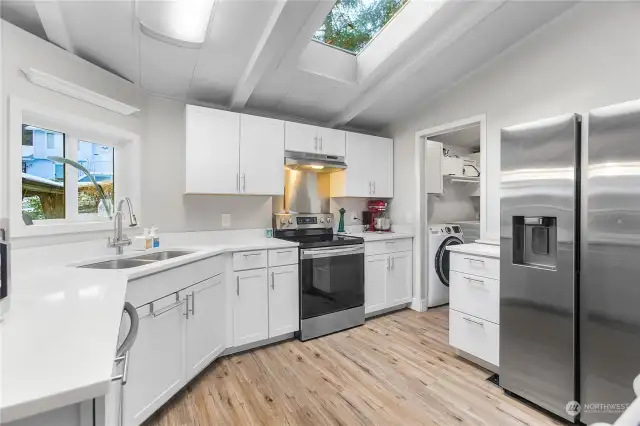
(154, 237)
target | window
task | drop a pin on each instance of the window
(45, 181)
(51, 143)
(351, 24)
(98, 160)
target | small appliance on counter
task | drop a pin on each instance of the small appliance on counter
(377, 217)
(331, 273)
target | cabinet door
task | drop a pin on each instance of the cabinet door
(301, 137)
(332, 141)
(212, 151)
(381, 166)
(156, 360)
(375, 277)
(261, 156)
(206, 323)
(250, 307)
(356, 180)
(433, 171)
(400, 282)
(284, 305)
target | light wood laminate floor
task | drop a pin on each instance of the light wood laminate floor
(397, 369)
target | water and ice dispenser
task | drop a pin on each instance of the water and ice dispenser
(535, 241)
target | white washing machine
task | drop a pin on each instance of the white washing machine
(440, 237)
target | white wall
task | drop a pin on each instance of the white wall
(163, 181)
(588, 57)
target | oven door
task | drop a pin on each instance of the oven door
(331, 280)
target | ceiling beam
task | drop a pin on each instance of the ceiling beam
(375, 88)
(285, 36)
(50, 15)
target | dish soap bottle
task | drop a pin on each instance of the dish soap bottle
(154, 237)
(341, 223)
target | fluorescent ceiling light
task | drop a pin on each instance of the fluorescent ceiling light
(180, 22)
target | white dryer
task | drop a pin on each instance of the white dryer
(440, 237)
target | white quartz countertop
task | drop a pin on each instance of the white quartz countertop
(58, 340)
(488, 250)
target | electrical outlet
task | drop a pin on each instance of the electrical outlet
(354, 217)
(226, 220)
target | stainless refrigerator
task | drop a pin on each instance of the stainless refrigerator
(570, 261)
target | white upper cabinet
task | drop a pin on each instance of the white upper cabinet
(332, 141)
(212, 151)
(369, 170)
(230, 153)
(261, 156)
(316, 140)
(301, 137)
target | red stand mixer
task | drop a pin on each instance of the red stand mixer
(377, 210)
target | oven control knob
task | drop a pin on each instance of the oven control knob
(321, 220)
(283, 222)
(290, 221)
(328, 220)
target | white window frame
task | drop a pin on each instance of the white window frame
(75, 128)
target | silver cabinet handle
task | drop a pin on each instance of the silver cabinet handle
(244, 182)
(470, 259)
(320, 143)
(252, 254)
(125, 369)
(193, 303)
(284, 252)
(481, 324)
(388, 263)
(238, 285)
(238, 182)
(273, 280)
(315, 143)
(166, 309)
(186, 301)
(391, 242)
(374, 187)
(370, 190)
(475, 280)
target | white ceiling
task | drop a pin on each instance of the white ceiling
(258, 55)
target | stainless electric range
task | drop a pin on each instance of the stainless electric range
(331, 269)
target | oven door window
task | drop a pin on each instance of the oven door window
(331, 284)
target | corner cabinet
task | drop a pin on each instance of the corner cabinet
(369, 170)
(231, 153)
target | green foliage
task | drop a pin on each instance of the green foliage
(352, 23)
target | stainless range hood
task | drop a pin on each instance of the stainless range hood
(317, 163)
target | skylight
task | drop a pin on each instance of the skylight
(351, 24)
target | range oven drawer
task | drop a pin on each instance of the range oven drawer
(331, 280)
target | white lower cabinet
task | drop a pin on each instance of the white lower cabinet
(375, 282)
(284, 305)
(400, 279)
(388, 278)
(206, 323)
(474, 306)
(156, 360)
(250, 307)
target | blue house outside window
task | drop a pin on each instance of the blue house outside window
(59, 171)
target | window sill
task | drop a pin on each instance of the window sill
(19, 230)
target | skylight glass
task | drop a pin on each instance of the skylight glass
(351, 24)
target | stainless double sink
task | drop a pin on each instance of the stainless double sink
(134, 262)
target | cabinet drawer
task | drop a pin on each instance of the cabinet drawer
(249, 260)
(475, 265)
(288, 256)
(388, 246)
(473, 295)
(475, 336)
